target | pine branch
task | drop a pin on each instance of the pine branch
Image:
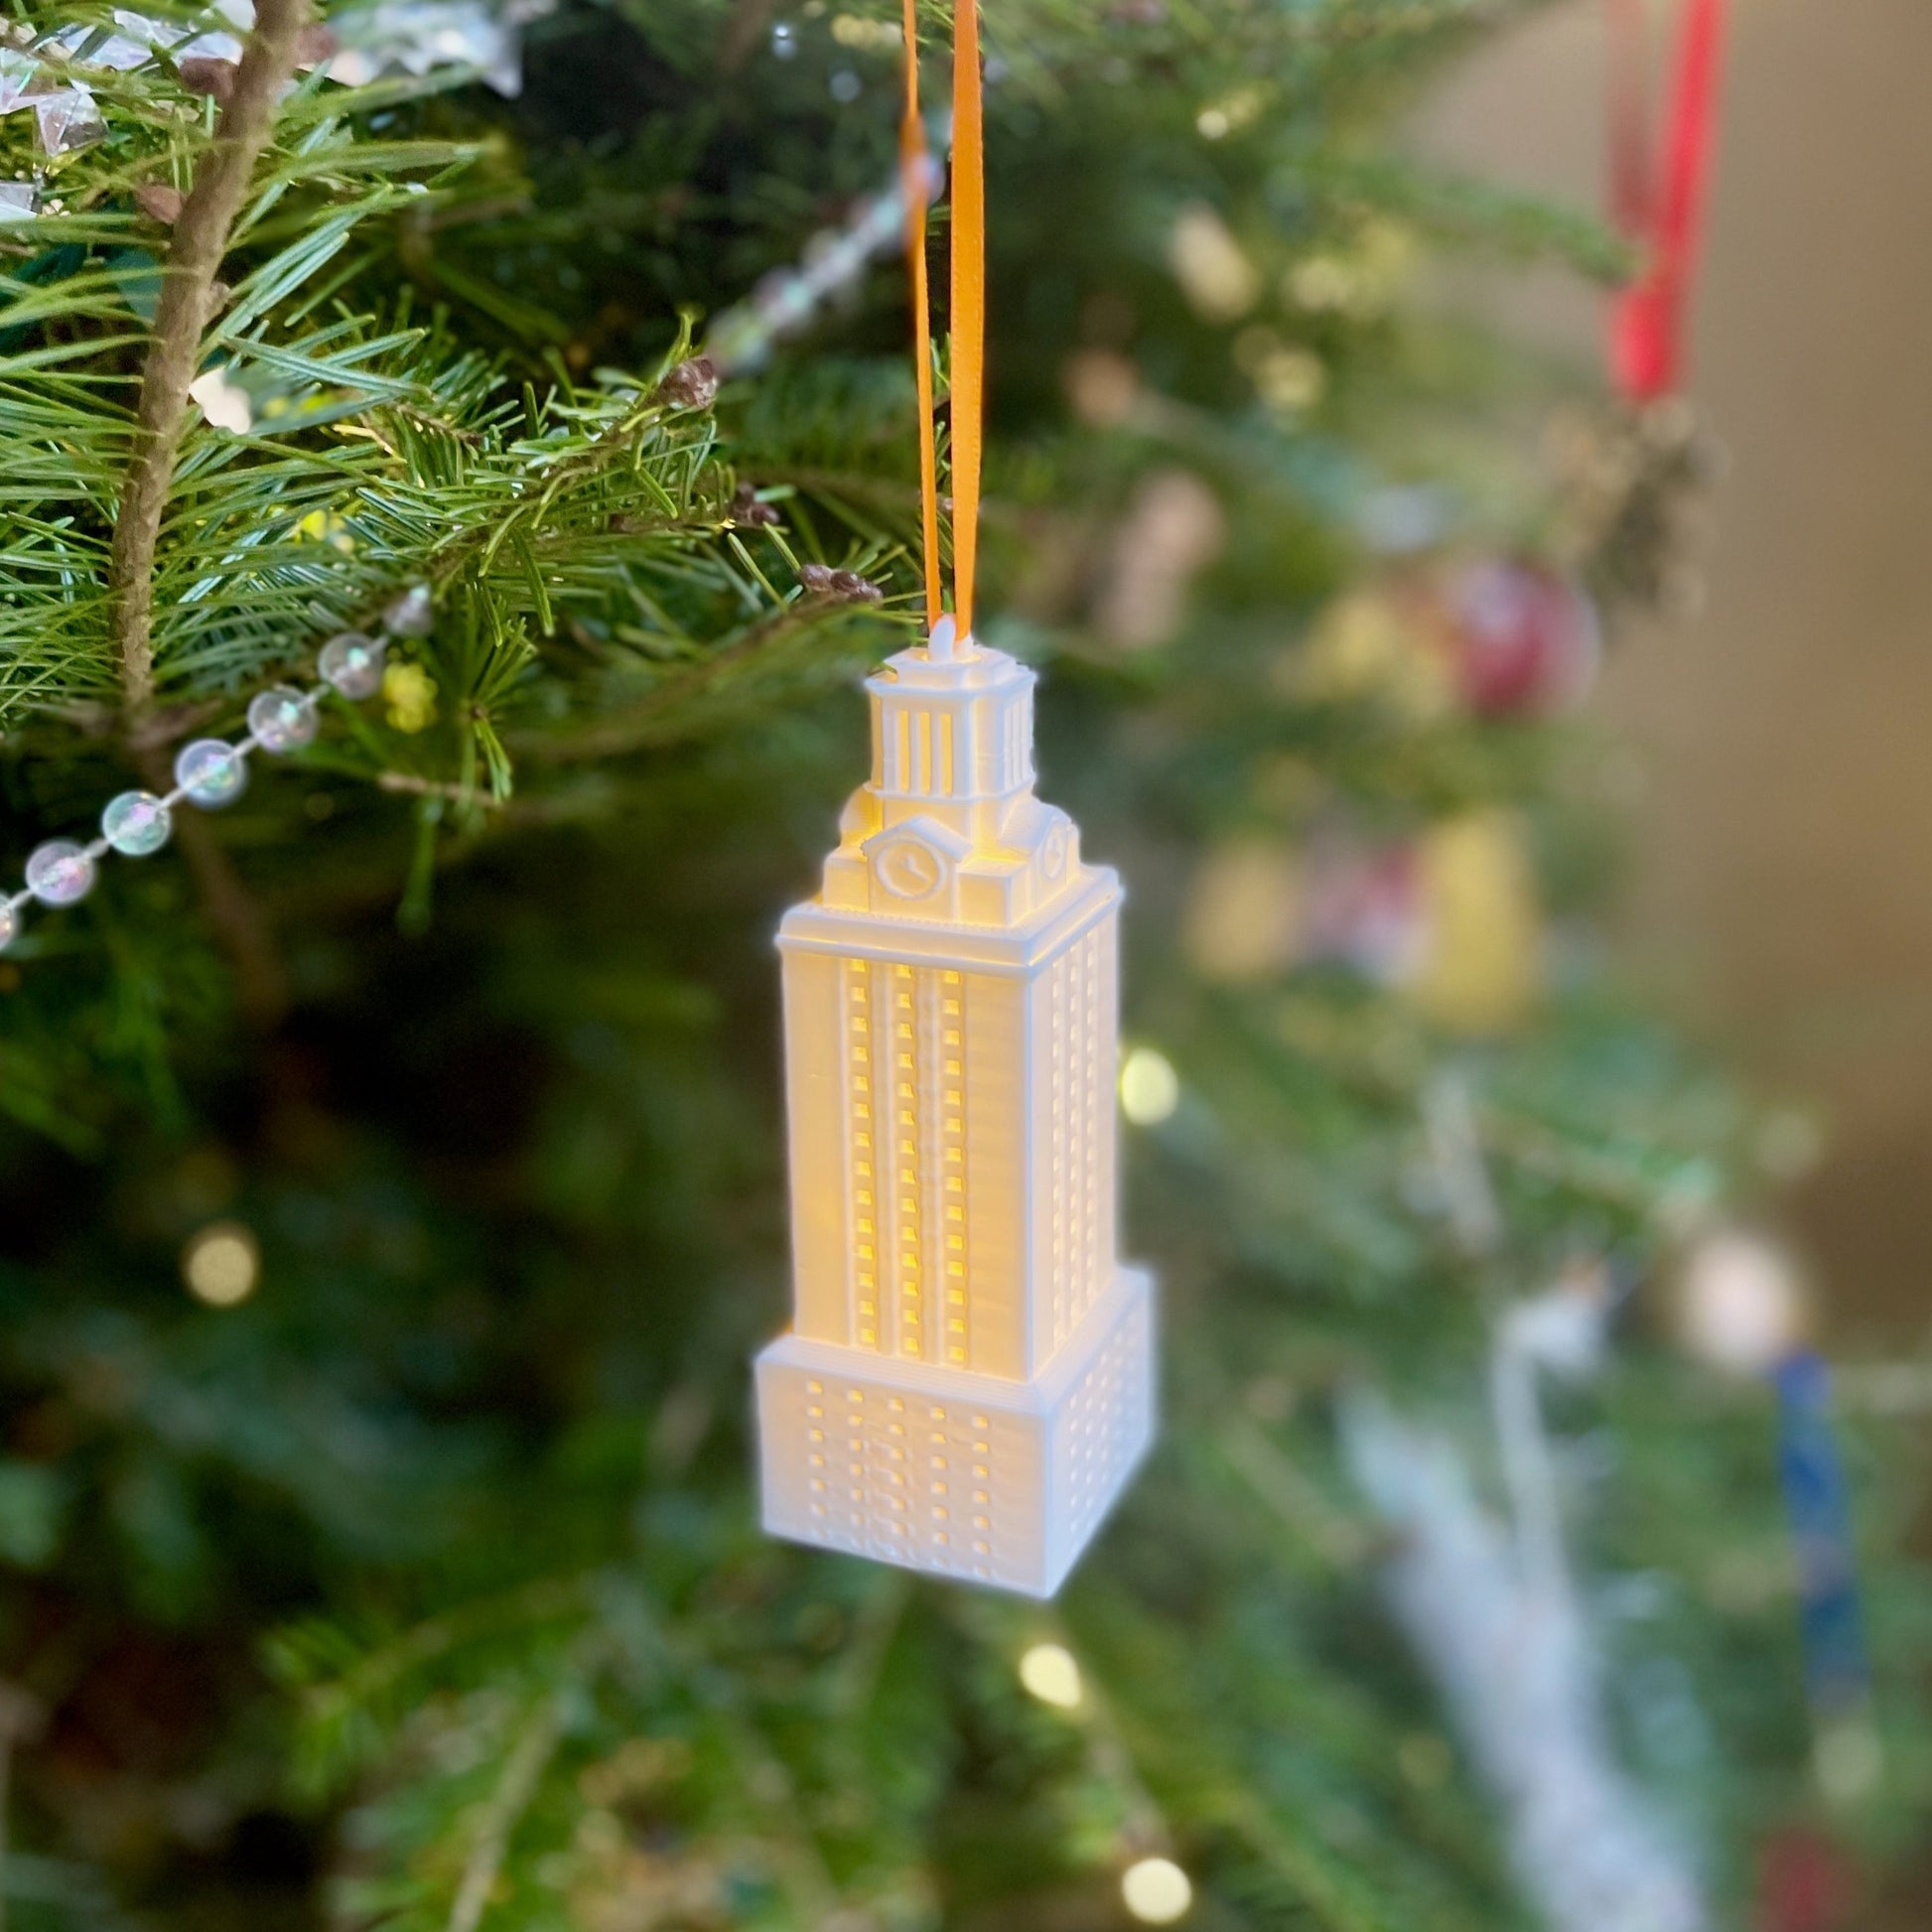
(201, 240)
(636, 726)
(522, 1771)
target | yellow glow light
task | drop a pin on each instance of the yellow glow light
(1150, 1091)
(873, 36)
(1156, 1891)
(222, 1265)
(1049, 1672)
(410, 694)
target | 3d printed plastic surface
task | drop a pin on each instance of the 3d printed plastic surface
(968, 1381)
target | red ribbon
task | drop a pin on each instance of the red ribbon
(1660, 208)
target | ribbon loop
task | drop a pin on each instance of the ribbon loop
(1660, 208)
(967, 355)
(914, 175)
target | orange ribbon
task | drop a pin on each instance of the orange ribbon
(914, 166)
(968, 339)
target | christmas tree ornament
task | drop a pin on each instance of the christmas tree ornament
(1818, 1505)
(1524, 640)
(1742, 1305)
(283, 719)
(1363, 907)
(1172, 528)
(1494, 1613)
(1258, 907)
(1805, 1883)
(1480, 964)
(136, 824)
(60, 873)
(967, 1383)
(1745, 1306)
(1634, 486)
(212, 772)
(1379, 645)
(1244, 913)
(1634, 473)
(1492, 1608)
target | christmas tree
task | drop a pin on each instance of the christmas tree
(503, 417)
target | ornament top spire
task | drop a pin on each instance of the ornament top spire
(945, 646)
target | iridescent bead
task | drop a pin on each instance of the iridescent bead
(59, 872)
(9, 924)
(212, 772)
(283, 719)
(412, 614)
(136, 824)
(352, 663)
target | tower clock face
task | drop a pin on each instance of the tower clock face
(909, 870)
(1052, 853)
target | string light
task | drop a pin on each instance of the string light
(1150, 1089)
(1051, 1673)
(222, 1265)
(1156, 1891)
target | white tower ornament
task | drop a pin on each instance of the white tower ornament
(968, 1379)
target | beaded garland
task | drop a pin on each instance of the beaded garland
(210, 772)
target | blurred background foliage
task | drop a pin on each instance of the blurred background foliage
(422, 1588)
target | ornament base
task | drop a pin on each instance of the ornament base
(965, 1475)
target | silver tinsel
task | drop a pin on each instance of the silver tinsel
(373, 38)
(379, 37)
(1515, 1662)
(1488, 1604)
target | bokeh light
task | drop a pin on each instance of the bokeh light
(1150, 1089)
(222, 1265)
(1156, 1891)
(1051, 1673)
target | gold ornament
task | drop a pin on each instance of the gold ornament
(1373, 645)
(1482, 965)
(1243, 919)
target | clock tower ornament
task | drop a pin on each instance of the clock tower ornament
(968, 1380)
(967, 1384)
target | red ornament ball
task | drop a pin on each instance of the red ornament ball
(1525, 639)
